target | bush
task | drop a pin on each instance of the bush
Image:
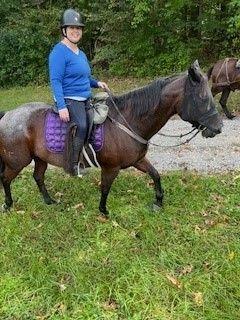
(24, 47)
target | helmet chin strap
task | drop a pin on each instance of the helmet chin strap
(64, 33)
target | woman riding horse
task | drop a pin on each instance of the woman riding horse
(71, 80)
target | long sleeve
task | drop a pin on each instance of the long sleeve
(56, 73)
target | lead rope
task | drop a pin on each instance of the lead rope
(182, 143)
(176, 136)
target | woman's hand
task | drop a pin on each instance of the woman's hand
(64, 115)
(103, 85)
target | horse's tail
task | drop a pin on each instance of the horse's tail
(209, 73)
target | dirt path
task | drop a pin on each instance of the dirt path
(219, 154)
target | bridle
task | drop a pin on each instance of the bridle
(129, 130)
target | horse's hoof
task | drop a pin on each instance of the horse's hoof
(50, 201)
(156, 207)
(104, 212)
(231, 116)
(5, 208)
(102, 218)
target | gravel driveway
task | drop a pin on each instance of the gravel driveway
(218, 154)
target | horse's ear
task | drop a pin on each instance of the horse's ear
(194, 72)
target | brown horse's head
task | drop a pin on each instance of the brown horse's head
(198, 106)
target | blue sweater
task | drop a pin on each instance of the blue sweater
(70, 74)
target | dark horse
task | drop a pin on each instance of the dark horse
(225, 75)
(146, 109)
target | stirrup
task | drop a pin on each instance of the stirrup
(79, 171)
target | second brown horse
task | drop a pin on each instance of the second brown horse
(225, 75)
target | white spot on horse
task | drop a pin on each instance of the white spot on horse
(15, 123)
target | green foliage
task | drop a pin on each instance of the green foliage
(122, 38)
(24, 46)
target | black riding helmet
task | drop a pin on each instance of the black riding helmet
(71, 17)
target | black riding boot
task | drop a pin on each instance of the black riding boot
(78, 144)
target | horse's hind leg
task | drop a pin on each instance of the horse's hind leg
(145, 166)
(107, 178)
(38, 175)
(6, 178)
(223, 103)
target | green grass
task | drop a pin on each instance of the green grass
(11, 98)
(62, 262)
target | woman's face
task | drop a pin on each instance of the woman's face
(74, 33)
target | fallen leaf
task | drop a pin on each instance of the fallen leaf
(110, 305)
(174, 281)
(41, 317)
(231, 255)
(58, 194)
(198, 298)
(217, 197)
(206, 265)
(20, 211)
(79, 206)
(97, 182)
(210, 223)
(62, 287)
(135, 234)
(59, 308)
(204, 213)
(35, 215)
(186, 270)
(115, 224)
(199, 229)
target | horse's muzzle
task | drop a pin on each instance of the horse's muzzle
(211, 126)
(209, 133)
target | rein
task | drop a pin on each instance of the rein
(138, 138)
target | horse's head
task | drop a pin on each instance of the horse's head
(198, 106)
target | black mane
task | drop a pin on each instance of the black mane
(142, 100)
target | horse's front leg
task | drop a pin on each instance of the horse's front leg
(223, 103)
(107, 178)
(145, 166)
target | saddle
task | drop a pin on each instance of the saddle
(59, 135)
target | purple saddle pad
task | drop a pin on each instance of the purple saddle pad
(55, 132)
(56, 129)
(97, 137)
